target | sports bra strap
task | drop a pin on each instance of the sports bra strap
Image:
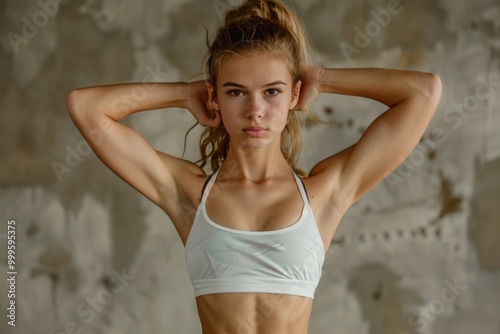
(212, 177)
(208, 184)
(302, 188)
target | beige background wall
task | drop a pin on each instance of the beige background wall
(418, 254)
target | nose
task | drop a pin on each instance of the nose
(255, 108)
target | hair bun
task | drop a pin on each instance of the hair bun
(271, 10)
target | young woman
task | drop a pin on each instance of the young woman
(255, 232)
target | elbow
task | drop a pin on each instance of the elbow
(74, 102)
(77, 103)
(424, 88)
(431, 86)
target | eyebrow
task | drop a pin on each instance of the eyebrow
(233, 84)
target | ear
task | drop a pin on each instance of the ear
(295, 94)
(212, 102)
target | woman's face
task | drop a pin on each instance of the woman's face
(254, 95)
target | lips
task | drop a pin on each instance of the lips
(254, 131)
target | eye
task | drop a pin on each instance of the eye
(235, 92)
(273, 91)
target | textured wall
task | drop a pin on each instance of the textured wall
(418, 254)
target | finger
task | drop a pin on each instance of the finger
(302, 104)
(306, 99)
(213, 119)
(217, 117)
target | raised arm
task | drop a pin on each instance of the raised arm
(96, 111)
(412, 98)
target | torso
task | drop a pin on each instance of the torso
(259, 208)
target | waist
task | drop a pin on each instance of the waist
(253, 313)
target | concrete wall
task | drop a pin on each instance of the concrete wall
(418, 254)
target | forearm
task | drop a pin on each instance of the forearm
(119, 101)
(384, 85)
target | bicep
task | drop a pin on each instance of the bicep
(384, 145)
(125, 152)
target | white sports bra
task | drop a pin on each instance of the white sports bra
(284, 261)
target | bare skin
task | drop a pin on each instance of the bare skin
(252, 97)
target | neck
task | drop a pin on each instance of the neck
(255, 164)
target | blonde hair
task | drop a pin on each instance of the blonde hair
(256, 26)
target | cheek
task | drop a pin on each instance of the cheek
(229, 112)
(279, 119)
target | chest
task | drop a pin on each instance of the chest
(256, 208)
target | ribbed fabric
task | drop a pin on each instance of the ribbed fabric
(284, 261)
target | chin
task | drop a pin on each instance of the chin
(254, 143)
(257, 143)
